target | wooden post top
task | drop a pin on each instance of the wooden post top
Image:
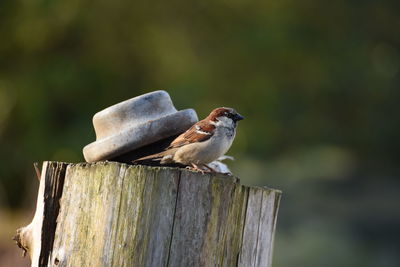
(114, 214)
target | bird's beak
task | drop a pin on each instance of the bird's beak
(238, 117)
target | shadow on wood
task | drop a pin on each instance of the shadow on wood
(113, 214)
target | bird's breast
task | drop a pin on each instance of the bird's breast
(207, 151)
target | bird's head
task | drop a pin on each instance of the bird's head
(223, 113)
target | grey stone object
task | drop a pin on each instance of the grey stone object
(135, 123)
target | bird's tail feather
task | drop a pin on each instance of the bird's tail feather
(163, 156)
(157, 156)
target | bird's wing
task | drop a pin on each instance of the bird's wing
(199, 132)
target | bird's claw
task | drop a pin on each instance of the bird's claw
(195, 167)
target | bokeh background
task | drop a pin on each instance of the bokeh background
(318, 82)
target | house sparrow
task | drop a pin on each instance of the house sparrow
(204, 142)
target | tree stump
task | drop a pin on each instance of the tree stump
(113, 214)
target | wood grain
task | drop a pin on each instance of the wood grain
(113, 214)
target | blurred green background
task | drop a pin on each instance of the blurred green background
(317, 81)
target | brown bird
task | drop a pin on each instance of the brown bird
(204, 142)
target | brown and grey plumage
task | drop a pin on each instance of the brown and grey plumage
(202, 143)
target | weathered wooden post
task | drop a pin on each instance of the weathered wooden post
(114, 214)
